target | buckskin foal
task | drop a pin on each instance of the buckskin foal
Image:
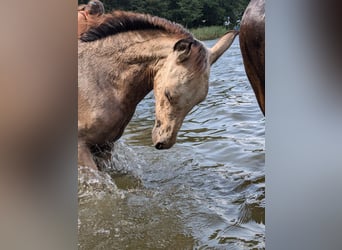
(126, 56)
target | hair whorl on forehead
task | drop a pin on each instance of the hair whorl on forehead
(95, 7)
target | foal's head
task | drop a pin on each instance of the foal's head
(180, 84)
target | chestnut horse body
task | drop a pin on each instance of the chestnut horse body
(252, 44)
(122, 60)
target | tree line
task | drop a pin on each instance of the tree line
(189, 13)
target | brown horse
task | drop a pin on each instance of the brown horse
(252, 44)
(126, 56)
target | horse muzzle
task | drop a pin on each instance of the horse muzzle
(160, 145)
(162, 140)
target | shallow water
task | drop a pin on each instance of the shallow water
(207, 192)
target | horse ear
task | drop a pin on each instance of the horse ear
(222, 45)
(183, 48)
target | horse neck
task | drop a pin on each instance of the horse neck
(142, 60)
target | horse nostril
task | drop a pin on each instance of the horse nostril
(159, 145)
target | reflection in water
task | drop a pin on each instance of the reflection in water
(207, 192)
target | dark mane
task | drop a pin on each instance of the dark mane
(122, 21)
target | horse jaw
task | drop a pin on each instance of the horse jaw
(221, 46)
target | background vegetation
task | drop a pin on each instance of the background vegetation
(189, 13)
(208, 32)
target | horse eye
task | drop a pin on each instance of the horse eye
(168, 95)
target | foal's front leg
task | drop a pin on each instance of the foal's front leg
(85, 158)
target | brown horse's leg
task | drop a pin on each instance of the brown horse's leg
(85, 158)
(252, 45)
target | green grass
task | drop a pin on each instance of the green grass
(208, 33)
